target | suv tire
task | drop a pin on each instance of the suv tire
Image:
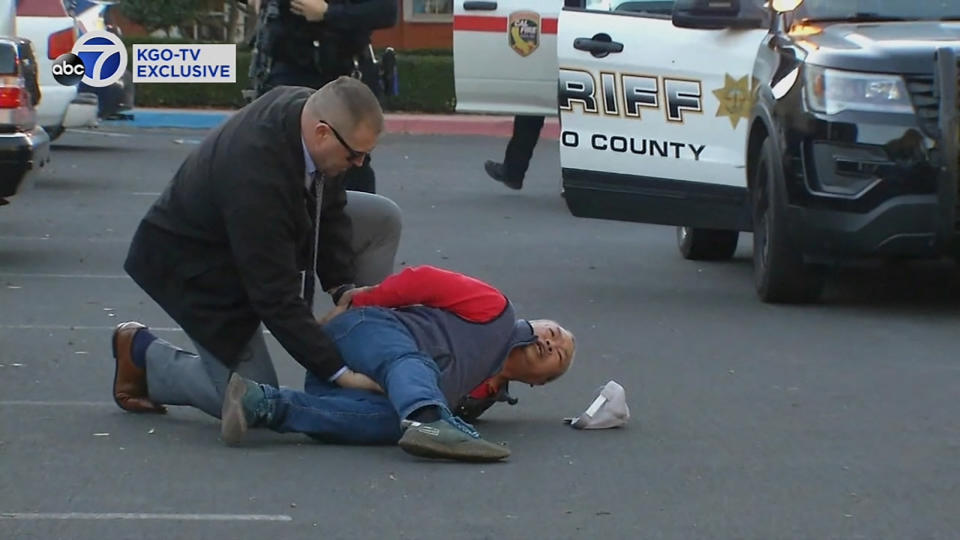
(780, 274)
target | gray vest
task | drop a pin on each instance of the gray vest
(467, 353)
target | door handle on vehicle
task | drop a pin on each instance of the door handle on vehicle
(480, 5)
(598, 47)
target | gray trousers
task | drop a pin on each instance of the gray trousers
(179, 377)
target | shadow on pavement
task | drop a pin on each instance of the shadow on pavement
(119, 147)
(905, 285)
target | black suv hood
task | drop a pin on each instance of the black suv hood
(884, 47)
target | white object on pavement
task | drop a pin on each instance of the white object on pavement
(608, 410)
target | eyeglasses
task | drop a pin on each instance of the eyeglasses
(352, 154)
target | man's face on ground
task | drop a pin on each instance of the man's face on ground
(548, 357)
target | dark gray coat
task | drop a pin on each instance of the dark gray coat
(222, 248)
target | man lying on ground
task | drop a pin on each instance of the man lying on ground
(429, 338)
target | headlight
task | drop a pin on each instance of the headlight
(831, 91)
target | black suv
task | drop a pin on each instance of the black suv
(867, 144)
(827, 127)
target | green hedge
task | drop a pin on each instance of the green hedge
(425, 83)
(425, 80)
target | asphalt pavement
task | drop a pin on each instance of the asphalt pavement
(836, 420)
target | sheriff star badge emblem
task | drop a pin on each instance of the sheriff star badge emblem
(736, 98)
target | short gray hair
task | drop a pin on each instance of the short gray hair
(345, 103)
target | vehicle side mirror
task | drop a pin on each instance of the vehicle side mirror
(714, 15)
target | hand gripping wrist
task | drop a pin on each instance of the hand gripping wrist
(337, 293)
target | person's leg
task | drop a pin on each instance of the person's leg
(179, 377)
(332, 414)
(371, 341)
(516, 159)
(374, 342)
(361, 178)
(377, 223)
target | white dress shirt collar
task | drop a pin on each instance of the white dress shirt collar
(309, 166)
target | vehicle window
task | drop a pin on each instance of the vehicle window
(878, 9)
(8, 59)
(650, 7)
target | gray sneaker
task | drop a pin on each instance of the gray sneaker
(449, 438)
(236, 413)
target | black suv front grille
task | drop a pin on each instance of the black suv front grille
(936, 98)
(926, 100)
(923, 93)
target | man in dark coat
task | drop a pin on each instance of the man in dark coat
(255, 214)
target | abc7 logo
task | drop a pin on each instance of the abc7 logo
(68, 69)
(98, 59)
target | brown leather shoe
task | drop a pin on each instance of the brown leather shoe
(129, 381)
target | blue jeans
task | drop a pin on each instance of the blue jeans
(374, 342)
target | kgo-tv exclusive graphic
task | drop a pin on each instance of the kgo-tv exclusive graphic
(99, 59)
(207, 63)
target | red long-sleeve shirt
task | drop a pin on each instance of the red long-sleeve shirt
(468, 297)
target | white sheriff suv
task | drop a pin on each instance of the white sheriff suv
(828, 128)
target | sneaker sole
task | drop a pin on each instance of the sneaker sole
(116, 368)
(418, 444)
(233, 424)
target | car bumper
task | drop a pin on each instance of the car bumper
(21, 153)
(868, 199)
(906, 226)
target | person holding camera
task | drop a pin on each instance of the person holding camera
(312, 42)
